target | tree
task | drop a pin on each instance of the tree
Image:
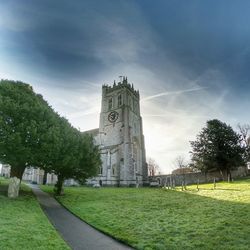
(153, 167)
(182, 168)
(49, 142)
(245, 142)
(21, 126)
(89, 160)
(217, 147)
(79, 158)
(32, 134)
(180, 162)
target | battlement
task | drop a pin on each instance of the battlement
(123, 83)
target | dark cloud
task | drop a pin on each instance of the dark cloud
(83, 37)
(202, 34)
(190, 60)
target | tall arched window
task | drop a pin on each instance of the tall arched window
(119, 100)
(129, 101)
(134, 153)
(113, 169)
(100, 170)
(110, 103)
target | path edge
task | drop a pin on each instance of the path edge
(105, 233)
(44, 212)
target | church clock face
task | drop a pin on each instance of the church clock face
(113, 116)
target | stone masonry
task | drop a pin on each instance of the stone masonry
(120, 137)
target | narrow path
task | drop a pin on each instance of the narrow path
(78, 234)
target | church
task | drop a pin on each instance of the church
(120, 140)
(120, 137)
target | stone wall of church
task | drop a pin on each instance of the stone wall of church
(5, 171)
(121, 141)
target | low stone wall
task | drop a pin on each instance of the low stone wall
(192, 178)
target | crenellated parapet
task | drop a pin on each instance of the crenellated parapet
(123, 83)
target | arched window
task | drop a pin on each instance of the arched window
(136, 107)
(110, 103)
(100, 170)
(134, 153)
(113, 169)
(119, 100)
(129, 101)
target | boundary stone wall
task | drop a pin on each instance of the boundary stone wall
(192, 178)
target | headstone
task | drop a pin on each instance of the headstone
(14, 186)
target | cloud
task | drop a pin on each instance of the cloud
(179, 92)
(188, 69)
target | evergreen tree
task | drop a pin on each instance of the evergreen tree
(21, 126)
(217, 147)
(79, 158)
(32, 134)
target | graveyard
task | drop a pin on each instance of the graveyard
(213, 217)
(124, 125)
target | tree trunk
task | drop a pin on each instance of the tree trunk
(45, 177)
(16, 174)
(59, 185)
(205, 175)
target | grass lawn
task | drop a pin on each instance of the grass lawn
(23, 225)
(165, 219)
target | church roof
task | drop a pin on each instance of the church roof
(92, 132)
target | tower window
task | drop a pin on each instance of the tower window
(113, 169)
(119, 100)
(110, 103)
(136, 108)
(129, 101)
(100, 170)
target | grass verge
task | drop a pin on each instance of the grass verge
(23, 225)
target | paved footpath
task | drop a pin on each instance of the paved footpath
(78, 234)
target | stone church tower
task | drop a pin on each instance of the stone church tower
(121, 137)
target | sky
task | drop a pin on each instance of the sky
(190, 61)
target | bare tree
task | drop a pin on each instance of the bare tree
(245, 136)
(180, 161)
(153, 167)
(245, 133)
(181, 165)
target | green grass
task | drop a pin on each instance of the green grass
(165, 219)
(23, 225)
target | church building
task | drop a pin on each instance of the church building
(120, 137)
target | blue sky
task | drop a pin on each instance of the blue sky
(189, 59)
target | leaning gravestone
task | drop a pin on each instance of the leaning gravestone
(13, 189)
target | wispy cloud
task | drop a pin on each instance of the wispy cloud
(179, 92)
(173, 114)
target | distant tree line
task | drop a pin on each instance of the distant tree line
(33, 134)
